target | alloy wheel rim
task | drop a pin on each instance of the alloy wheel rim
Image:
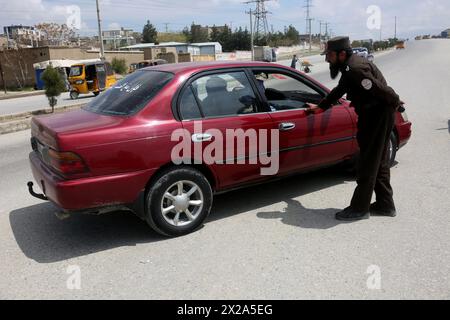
(182, 203)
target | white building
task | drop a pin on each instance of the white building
(194, 49)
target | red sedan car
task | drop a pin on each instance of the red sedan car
(164, 139)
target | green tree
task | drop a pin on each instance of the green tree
(292, 35)
(149, 33)
(54, 85)
(198, 33)
(119, 65)
(215, 34)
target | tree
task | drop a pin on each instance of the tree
(215, 34)
(119, 65)
(198, 33)
(292, 35)
(54, 85)
(149, 33)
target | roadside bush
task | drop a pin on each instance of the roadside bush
(53, 84)
(119, 65)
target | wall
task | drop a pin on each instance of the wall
(204, 58)
(152, 53)
(18, 68)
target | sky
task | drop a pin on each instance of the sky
(346, 17)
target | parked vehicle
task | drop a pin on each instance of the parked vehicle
(363, 52)
(400, 45)
(117, 152)
(95, 77)
(146, 63)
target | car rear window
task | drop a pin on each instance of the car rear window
(130, 94)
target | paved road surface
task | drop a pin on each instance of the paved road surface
(274, 241)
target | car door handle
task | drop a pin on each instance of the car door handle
(286, 126)
(200, 137)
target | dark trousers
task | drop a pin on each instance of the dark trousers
(375, 125)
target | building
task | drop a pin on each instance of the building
(195, 49)
(25, 35)
(115, 39)
(3, 41)
(445, 33)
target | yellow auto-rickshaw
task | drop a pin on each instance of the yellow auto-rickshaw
(95, 76)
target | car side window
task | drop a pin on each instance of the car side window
(284, 92)
(188, 105)
(225, 94)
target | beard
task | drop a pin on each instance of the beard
(334, 70)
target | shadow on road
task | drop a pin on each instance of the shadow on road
(46, 239)
(295, 214)
(285, 190)
(448, 128)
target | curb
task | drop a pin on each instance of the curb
(22, 121)
(18, 95)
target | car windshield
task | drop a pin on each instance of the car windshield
(75, 71)
(130, 94)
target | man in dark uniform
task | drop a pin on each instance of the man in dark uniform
(375, 104)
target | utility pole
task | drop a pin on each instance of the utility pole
(380, 33)
(395, 34)
(326, 30)
(167, 26)
(308, 6)
(100, 36)
(251, 34)
(320, 34)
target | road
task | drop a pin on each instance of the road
(31, 103)
(274, 241)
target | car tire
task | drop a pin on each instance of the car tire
(178, 201)
(350, 165)
(74, 95)
(96, 93)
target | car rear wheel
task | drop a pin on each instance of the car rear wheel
(178, 201)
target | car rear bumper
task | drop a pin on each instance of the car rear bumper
(86, 193)
(404, 133)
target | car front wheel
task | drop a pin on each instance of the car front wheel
(178, 202)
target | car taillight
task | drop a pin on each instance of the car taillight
(66, 162)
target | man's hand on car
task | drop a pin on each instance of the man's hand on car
(312, 109)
